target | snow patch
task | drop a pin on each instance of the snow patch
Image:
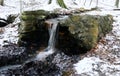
(86, 65)
(9, 35)
(94, 66)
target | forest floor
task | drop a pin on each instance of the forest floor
(104, 60)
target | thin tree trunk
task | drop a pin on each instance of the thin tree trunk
(1, 2)
(50, 1)
(61, 3)
(117, 3)
(97, 3)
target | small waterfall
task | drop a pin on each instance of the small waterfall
(51, 43)
(52, 33)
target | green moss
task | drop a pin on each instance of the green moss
(105, 25)
(36, 12)
(30, 20)
(28, 17)
(88, 29)
(32, 25)
(27, 26)
(34, 15)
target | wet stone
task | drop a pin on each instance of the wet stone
(64, 62)
(33, 68)
(56, 64)
(12, 54)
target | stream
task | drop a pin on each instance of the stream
(55, 65)
(15, 61)
(52, 39)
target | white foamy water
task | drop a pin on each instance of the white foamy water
(51, 43)
(42, 55)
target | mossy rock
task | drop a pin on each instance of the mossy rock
(38, 35)
(105, 25)
(80, 33)
(36, 12)
(32, 27)
(30, 20)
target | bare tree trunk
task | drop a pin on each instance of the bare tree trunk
(60, 3)
(1, 2)
(117, 3)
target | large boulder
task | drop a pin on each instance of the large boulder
(33, 28)
(80, 33)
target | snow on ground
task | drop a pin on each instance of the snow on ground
(17, 6)
(93, 66)
(104, 61)
(10, 35)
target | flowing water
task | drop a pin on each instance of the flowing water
(52, 32)
(46, 52)
(51, 43)
(49, 50)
